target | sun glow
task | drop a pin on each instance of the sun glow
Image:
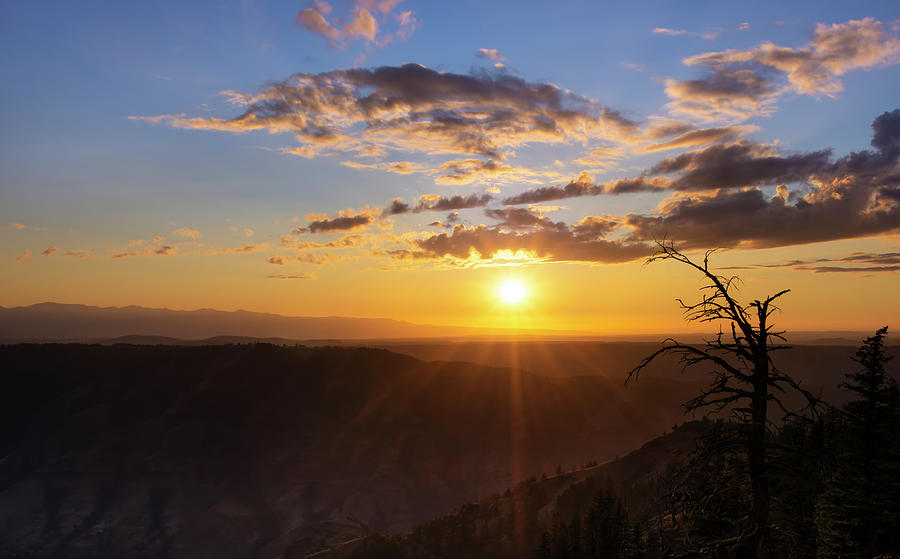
(512, 292)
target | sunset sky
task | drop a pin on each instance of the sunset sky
(407, 159)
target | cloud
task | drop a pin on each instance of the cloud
(362, 23)
(475, 170)
(708, 35)
(464, 171)
(436, 203)
(741, 163)
(80, 254)
(814, 69)
(248, 232)
(522, 218)
(165, 250)
(187, 233)
(18, 226)
(345, 242)
(854, 196)
(493, 55)
(397, 167)
(724, 95)
(584, 186)
(481, 244)
(48, 252)
(581, 186)
(601, 158)
(348, 220)
(671, 32)
(416, 110)
(298, 276)
(750, 219)
(276, 259)
(738, 88)
(859, 263)
(24, 257)
(246, 249)
(743, 26)
(595, 226)
(397, 207)
(701, 136)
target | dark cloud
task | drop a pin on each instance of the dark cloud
(742, 163)
(398, 206)
(855, 196)
(860, 262)
(433, 202)
(886, 137)
(749, 219)
(548, 244)
(165, 250)
(521, 218)
(594, 226)
(340, 223)
(583, 186)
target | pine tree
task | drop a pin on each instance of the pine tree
(858, 513)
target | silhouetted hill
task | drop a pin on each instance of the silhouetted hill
(510, 525)
(59, 322)
(248, 450)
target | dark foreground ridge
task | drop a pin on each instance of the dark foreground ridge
(251, 450)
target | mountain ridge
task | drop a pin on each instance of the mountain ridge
(74, 322)
(51, 321)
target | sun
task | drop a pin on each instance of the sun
(512, 292)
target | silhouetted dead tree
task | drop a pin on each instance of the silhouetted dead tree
(745, 379)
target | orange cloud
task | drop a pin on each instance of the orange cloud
(362, 23)
(187, 233)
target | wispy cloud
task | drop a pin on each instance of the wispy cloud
(854, 263)
(297, 276)
(187, 233)
(739, 86)
(366, 21)
(493, 55)
(708, 34)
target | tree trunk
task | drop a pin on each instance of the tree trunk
(757, 546)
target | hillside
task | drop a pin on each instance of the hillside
(236, 451)
(510, 525)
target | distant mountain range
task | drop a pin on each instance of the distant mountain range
(146, 326)
(55, 321)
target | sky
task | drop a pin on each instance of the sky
(406, 159)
